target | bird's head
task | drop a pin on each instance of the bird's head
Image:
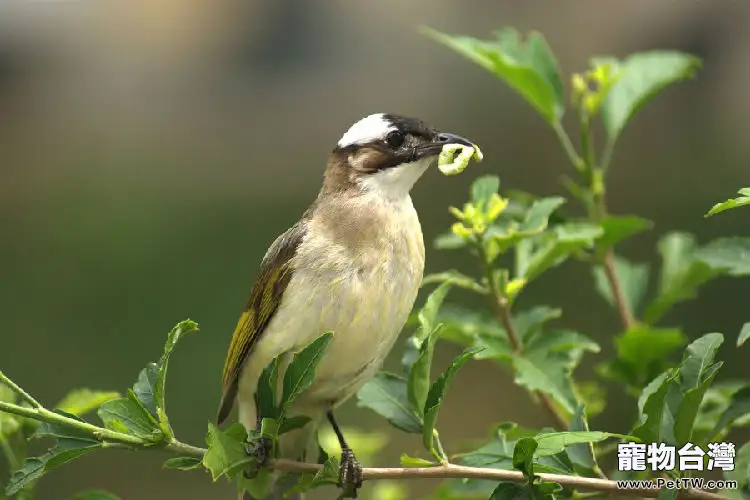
(385, 154)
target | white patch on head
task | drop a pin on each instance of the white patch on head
(368, 129)
(395, 183)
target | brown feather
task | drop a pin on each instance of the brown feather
(265, 297)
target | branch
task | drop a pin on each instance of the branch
(502, 311)
(598, 211)
(623, 307)
(444, 471)
(101, 434)
(20, 392)
(506, 319)
(499, 303)
(450, 471)
(567, 145)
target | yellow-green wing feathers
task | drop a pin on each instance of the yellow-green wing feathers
(265, 297)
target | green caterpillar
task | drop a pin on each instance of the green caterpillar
(451, 163)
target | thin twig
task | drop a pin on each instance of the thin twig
(506, 319)
(598, 212)
(500, 303)
(567, 145)
(444, 471)
(502, 310)
(451, 471)
(623, 307)
(549, 405)
(20, 392)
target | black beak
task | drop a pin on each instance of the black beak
(434, 147)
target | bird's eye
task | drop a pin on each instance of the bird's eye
(394, 139)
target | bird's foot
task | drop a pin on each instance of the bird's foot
(258, 448)
(350, 474)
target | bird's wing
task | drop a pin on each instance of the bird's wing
(266, 295)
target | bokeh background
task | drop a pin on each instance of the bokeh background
(150, 151)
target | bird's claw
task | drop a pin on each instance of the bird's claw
(258, 448)
(350, 474)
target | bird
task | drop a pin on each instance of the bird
(353, 264)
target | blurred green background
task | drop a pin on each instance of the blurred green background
(151, 151)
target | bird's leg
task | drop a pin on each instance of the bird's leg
(259, 448)
(350, 471)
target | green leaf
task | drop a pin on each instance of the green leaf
(328, 475)
(633, 279)
(457, 279)
(437, 392)
(642, 353)
(58, 431)
(407, 461)
(449, 241)
(651, 405)
(676, 250)
(269, 428)
(386, 395)
(558, 245)
(127, 415)
(729, 255)
(81, 401)
(427, 316)
(183, 463)
(145, 386)
(741, 472)
(530, 322)
(292, 423)
(616, 228)
(642, 344)
(266, 392)
(744, 334)
(483, 188)
(95, 495)
(512, 491)
(717, 401)
(549, 374)
(696, 373)
(553, 443)
(699, 356)
(560, 350)
(523, 456)
(687, 409)
(681, 274)
(33, 468)
(561, 341)
(258, 486)
(174, 336)
(464, 325)
(642, 76)
(485, 332)
(743, 200)
(301, 371)
(537, 218)
(419, 373)
(226, 450)
(528, 68)
(581, 454)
